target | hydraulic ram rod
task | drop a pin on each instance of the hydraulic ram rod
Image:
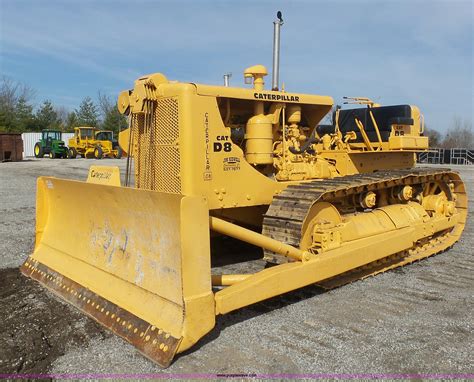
(225, 280)
(257, 239)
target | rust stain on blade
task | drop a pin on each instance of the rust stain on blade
(152, 342)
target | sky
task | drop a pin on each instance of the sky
(394, 51)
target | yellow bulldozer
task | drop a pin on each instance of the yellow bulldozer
(328, 204)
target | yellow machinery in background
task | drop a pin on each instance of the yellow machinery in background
(327, 204)
(83, 143)
(89, 142)
(109, 147)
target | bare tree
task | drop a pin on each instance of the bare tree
(15, 108)
(11, 92)
(105, 104)
(459, 135)
(434, 137)
(63, 114)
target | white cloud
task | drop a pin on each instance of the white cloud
(400, 51)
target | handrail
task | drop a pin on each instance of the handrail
(457, 156)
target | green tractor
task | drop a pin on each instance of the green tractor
(51, 144)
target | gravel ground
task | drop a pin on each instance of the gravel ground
(417, 319)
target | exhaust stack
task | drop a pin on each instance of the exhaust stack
(227, 78)
(276, 51)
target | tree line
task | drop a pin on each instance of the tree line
(18, 114)
(458, 135)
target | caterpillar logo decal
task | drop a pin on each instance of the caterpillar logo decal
(100, 174)
(109, 175)
(207, 175)
(277, 97)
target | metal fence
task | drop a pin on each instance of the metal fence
(30, 139)
(447, 156)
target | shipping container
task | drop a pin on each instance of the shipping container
(11, 147)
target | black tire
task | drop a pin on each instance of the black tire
(71, 153)
(119, 153)
(64, 155)
(39, 153)
(98, 153)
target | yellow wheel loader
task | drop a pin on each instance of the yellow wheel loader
(328, 204)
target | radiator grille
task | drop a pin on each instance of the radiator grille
(157, 156)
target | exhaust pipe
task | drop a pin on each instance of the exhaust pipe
(227, 78)
(276, 51)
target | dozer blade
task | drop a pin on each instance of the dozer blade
(136, 261)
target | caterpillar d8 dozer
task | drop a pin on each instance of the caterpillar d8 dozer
(327, 204)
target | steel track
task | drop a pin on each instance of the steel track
(286, 215)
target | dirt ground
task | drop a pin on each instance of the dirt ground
(414, 320)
